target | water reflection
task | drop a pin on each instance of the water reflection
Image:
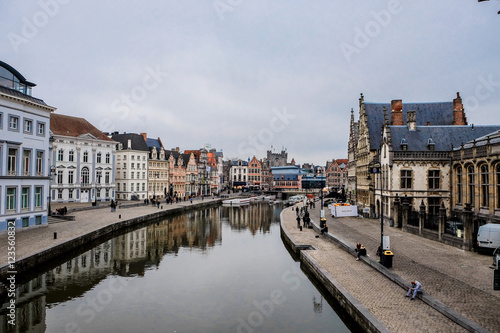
(105, 270)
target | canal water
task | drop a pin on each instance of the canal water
(222, 269)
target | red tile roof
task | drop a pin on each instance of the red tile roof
(74, 126)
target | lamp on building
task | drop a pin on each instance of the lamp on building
(375, 167)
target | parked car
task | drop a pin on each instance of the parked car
(488, 237)
(454, 228)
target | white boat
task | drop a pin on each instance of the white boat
(269, 198)
(294, 199)
(237, 202)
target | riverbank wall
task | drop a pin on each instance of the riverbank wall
(364, 318)
(30, 263)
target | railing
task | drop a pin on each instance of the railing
(421, 155)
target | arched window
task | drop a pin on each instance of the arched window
(497, 173)
(471, 185)
(459, 185)
(85, 175)
(485, 185)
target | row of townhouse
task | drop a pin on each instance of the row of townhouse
(414, 162)
(47, 158)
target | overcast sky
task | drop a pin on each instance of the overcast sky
(245, 75)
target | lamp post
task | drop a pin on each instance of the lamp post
(376, 168)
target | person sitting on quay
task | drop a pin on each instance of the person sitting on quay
(324, 230)
(360, 250)
(416, 288)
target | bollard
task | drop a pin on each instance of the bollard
(120, 216)
(55, 235)
(161, 207)
(300, 228)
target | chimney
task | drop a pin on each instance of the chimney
(459, 117)
(411, 120)
(145, 136)
(129, 144)
(397, 112)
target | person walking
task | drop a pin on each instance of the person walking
(416, 288)
(113, 205)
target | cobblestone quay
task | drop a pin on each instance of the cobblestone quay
(458, 285)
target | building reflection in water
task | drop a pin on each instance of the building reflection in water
(130, 254)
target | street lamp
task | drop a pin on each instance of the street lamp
(376, 168)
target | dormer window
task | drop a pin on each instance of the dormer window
(430, 144)
(404, 144)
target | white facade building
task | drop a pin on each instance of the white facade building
(24, 152)
(131, 167)
(84, 160)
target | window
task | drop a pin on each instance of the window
(132, 165)
(144, 186)
(497, 173)
(85, 157)
(71, 156)
(124, 175)
(98, 193)
(433, 179)
(107, 158)
(99, 155)
(118, 186)
(132, 187)
(406, 179)
(39, 163)
(124, 165)
(59, 176)
(40, 129)
(38, 219)
(38, 197)
(132, 175)
(14, 123)
(28, 126)
(470, 179)
(106, 177)
(11, 167)
(98, 176)
(60, 155)
(143, 175)
(485, 185)
(11, 198)
(59, 194)
(459, 185)
(133, 157)
(26, 162)
(26, 222)
(25, 198)
(71, 177)
(85, 175)
(70, 194)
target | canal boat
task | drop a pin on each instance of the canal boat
(237, 202)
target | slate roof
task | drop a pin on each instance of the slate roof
(493, 137)
(137, 141)
(444, 137)
(74, 126)
(185, 158)
(243, 163)
(19, 94)
(153, 143)
(438, 113)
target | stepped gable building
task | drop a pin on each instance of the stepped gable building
(365, 148)
(158, 171)
(131, 166)
(84, 161)
(24, 152)
(177, 174)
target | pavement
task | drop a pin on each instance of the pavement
(461, 281)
